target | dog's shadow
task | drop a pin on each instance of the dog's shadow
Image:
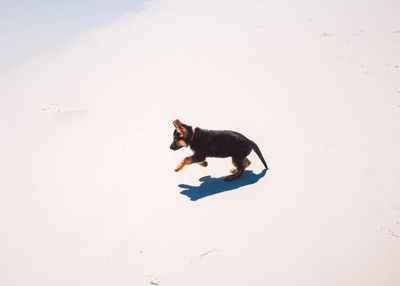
(211, 186)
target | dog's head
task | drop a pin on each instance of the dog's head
(181, 135)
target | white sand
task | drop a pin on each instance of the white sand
(88, 195)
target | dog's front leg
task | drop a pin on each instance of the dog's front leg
(190, 160)
(183, 163)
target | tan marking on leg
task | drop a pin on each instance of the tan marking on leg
(234, 176)
(183, 163)
(235, 172)
(234, 169)
(246, 163)
(203, 164)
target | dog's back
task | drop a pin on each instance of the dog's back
(221, 143)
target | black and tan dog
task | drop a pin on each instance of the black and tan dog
(210, 143)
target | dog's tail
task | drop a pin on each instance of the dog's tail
(258, 152)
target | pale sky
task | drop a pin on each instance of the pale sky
(29, 28)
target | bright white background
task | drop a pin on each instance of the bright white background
(88, 195)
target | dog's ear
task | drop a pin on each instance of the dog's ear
(180, 127)
(177, 123)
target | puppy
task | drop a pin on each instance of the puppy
(211, 143)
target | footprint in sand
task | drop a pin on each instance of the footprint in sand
(390, 232)
(70, 115)
(154, 280)
(208, 253)
(58, 113)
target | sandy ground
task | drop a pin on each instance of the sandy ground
(88, 195)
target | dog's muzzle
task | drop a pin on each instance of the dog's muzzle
(174, 147)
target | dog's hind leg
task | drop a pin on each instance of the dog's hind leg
(239, 163)
(246, 163)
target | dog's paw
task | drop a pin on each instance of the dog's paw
(177, 169)
(233, 170)
(204, 164)
(230, 177)
(233, 176)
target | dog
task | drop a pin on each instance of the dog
(211, 143)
